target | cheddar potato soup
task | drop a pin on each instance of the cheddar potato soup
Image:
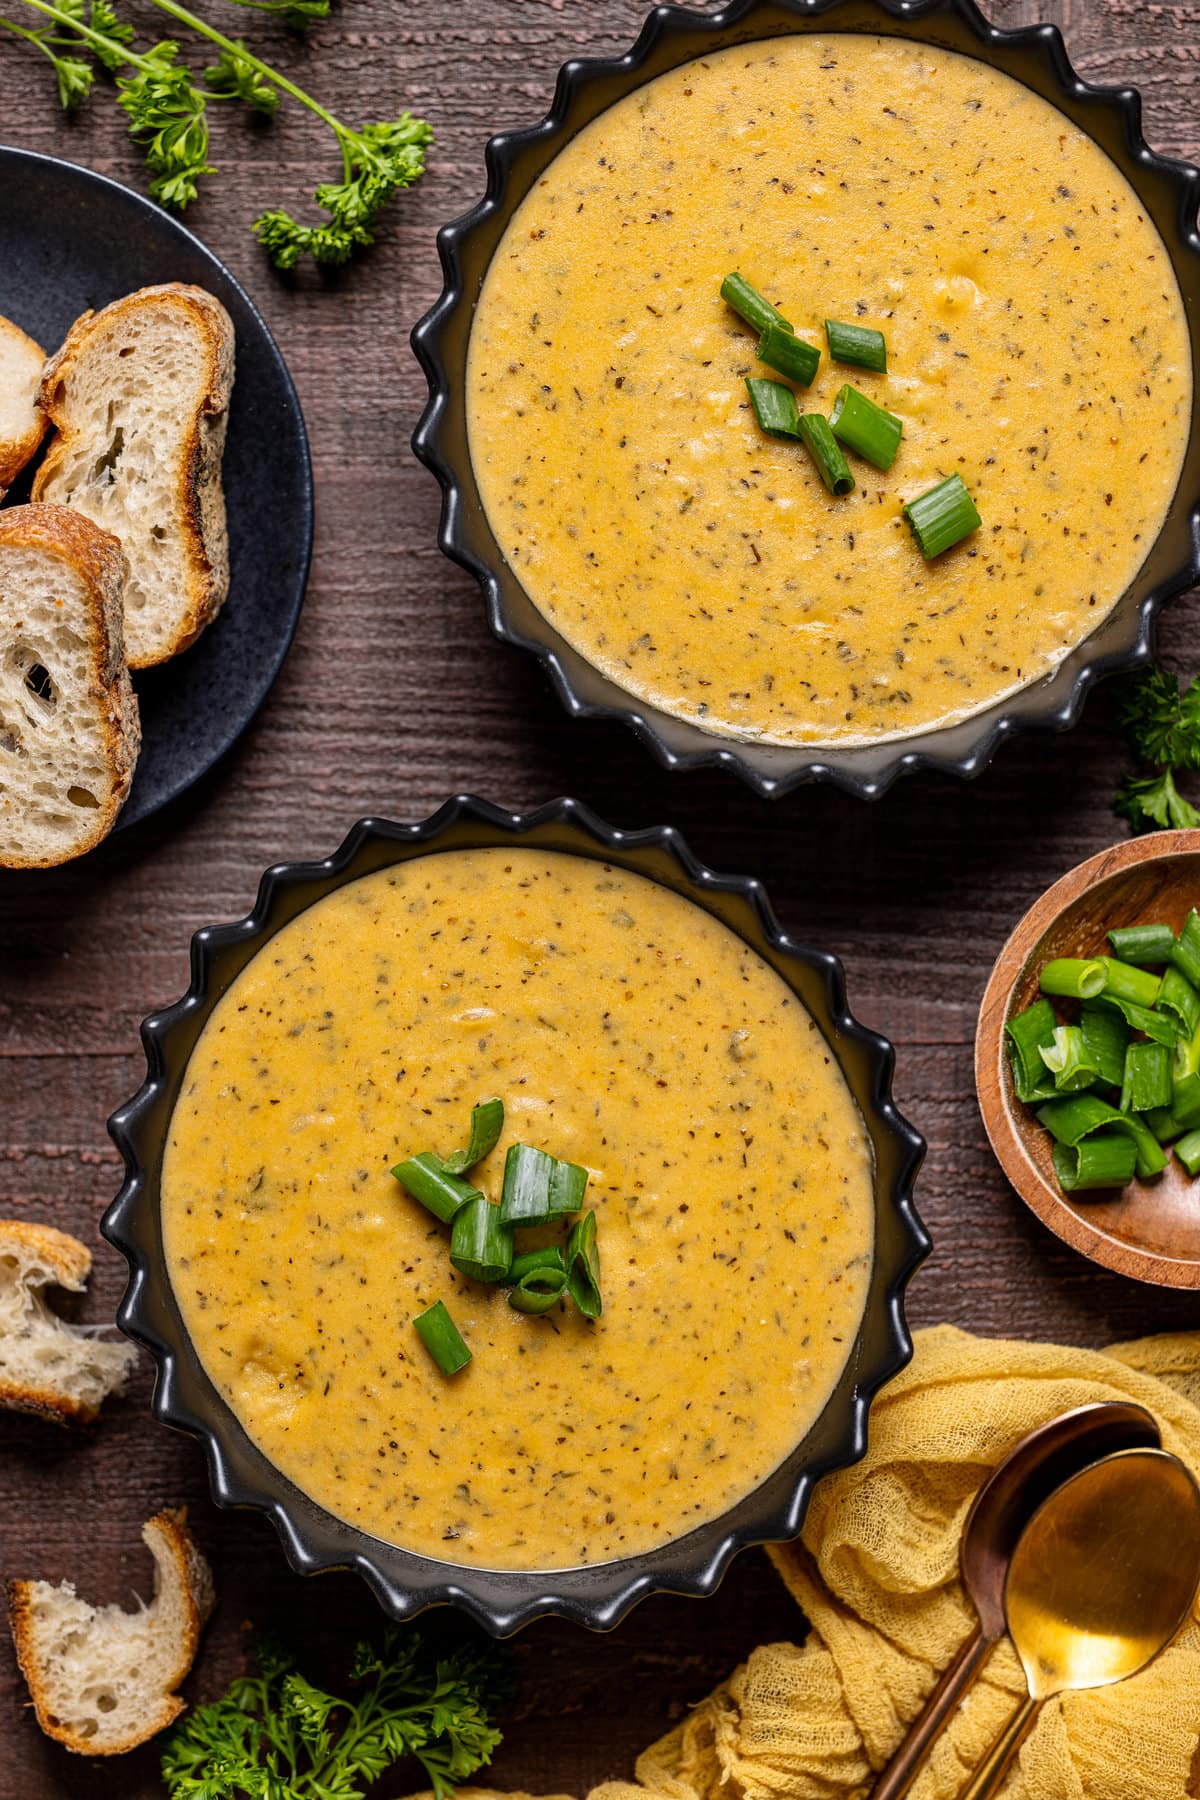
(1036, 346)
(625, 1030)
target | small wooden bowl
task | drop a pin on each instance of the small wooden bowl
(1151, 1229)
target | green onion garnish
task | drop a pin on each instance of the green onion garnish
(858, 345)
(538, 1290)
(1142, 943)
(942, 517)
(1066, 1057)
(1188, 1152)
(441, 1337)
(781, 349)
(750, 305)
(481, 1245)
(826, 452)
(1027, 1033)
(1123, 982)
(774, 407)
(1070, 1121)
(425, 1178)
(1077, 977)
(583, 1265)
(1159, 1026)
(538, 1188)
(530, 1261)
(867, 428)
(1147, 1080)
(1096, 1162)
(1107, 1038)
(487, 1122)
(1185, 1102)
(1178, 997)
(1185, 953)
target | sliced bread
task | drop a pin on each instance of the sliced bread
(22, 420)
(46, 1365)
(139, 397)
(69, 728)
(103, 1680)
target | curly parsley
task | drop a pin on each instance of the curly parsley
(167, 108)
(276, 1736)
(1163, 728)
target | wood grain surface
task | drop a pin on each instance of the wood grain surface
(396, 695)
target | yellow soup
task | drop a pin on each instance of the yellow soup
(1036, 344)
(626, 1030)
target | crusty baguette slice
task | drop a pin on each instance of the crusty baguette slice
(69, 727)
(103, 1680)
(139, 397)
(46, 1365)
(22, 420)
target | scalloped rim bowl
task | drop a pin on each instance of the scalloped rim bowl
(598, 1595)
(1034, 55)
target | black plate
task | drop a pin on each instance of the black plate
(1034, 55)
(71, 239)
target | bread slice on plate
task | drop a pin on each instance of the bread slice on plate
(103, 1680)
(22, 420)
(69, 727)
(138, 396)
(46, 1365)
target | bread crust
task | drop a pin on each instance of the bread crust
(16, 452)
(200, 497)
(170, 1542)
(99, 561)
(70, 1263)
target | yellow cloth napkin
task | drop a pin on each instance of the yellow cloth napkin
(876, 1572)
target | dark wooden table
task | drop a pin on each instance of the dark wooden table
(396, 695)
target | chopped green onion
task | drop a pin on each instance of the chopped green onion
(425, 1178)
(583, 1264)
(538, 1188)
(1027, 1033)
(1162, 1123)
(1185, 1102)
(781, 349)
(1159, 1026)
(1078, 978)
(867, 428)
(942, 516)
(1185, 953)
(481, 1245)
(750, 305)
(538, 1290)
(1070, 1121)
(774, 407)
(826, 452)
(1123, 982)
(441, 1337)
(1107, 1038)
(1096, 1162)
(1147, 1080)
(859, 345)
(530, 1262)
(487, 1122)
(1188, 1152)
(1067, 1059)
(1142, 943)
(1187, 1054)
(1178, 997)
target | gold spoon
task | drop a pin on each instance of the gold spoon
(1104, 1575)
(1001, 1509)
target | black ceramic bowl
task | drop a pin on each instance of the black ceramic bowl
(598, 1595)
(1036, 56)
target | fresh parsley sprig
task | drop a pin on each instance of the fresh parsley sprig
(276, 1736)
(167, 108)
(1162, 725)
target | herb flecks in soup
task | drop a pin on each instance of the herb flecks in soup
(627, 1031)
(1036, 346)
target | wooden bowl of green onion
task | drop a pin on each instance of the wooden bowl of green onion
(1087, 1058)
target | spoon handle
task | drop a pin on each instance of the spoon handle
(909, 1759)
(989, 1776)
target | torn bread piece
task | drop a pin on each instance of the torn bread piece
(22, 421)
(139, 398)
(69, 725)
(46, 1365)
(103, 1680)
